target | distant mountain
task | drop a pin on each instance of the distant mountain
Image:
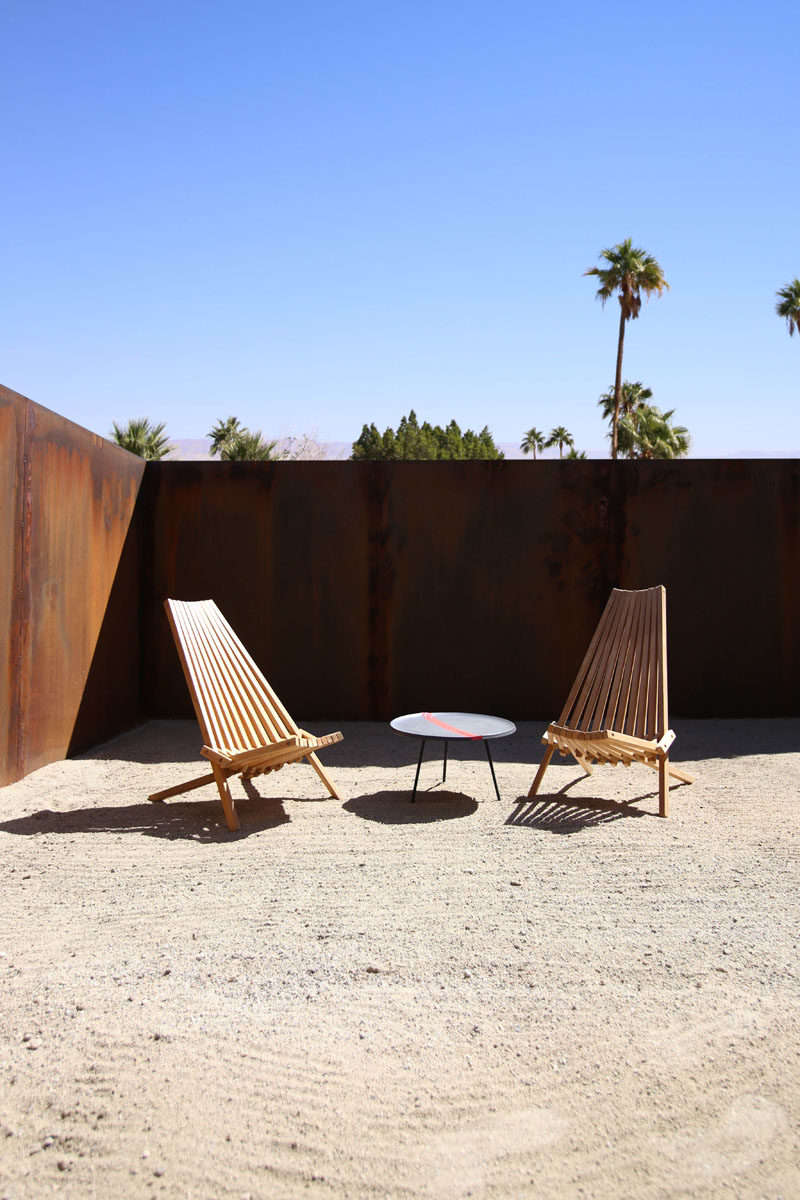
(197, 449)
(186, 449)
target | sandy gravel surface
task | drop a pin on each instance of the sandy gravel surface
(571, 998)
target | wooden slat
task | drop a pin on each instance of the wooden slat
(647, 665)
(619, 670)
(590, 710)
(257, 689)
(578, 710)
(662, 722)
(195, 682)
(585, 666)
(232, 736)
(619, 706)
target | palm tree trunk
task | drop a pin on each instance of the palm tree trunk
(618, 383)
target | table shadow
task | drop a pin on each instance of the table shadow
(396, 808)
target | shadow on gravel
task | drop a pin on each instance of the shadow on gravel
(571, 816)
(174, 820)
(395, 808)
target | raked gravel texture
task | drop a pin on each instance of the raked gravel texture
(566, 998)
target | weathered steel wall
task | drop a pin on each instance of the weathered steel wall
(68, 500)
(369, 589)
(366, 590)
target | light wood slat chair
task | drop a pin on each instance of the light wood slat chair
(246, 729)
(616, 711)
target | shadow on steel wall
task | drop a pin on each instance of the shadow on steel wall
(66, 535)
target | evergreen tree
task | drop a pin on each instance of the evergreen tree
(414, 442)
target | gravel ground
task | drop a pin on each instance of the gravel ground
(566, 998)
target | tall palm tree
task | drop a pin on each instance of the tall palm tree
(142, 438)
(531, 442)
(560, 437)
(788, 305)
(629, 273)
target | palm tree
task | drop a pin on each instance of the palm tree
(531, 442)
(560, 437)
(630, 272)
(649, 433)
(222, 433)
(142, 438)
(633, 397)
(235, 443)
(788, 305)
(573, 453)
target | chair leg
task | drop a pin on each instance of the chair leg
(225, 796)
(324, 776)
(548, 754)
(663, 786)
(180, 788)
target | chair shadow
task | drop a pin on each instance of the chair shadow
(567, 816)
(396, 808)
(195, 821)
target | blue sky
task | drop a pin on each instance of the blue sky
(313, 215)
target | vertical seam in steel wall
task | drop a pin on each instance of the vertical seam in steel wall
(23, 590)
(143, 507)
(380, 584)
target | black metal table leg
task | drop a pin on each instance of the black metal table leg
(416, 777)
(444, 770)
(491, 768)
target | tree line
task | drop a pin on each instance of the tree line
(638, 429)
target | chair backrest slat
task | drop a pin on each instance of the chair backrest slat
(620, 694)
(235, 706)
(622, 681)
(277, 722)
(235, 729)
(196, 676)
(607, 663)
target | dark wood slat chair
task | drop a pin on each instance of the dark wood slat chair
(616, 711)
(245, 728)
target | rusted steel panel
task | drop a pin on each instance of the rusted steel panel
(12, 467)
(281, 548)
(368, 589)
(78, 497)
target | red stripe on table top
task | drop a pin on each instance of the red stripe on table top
(474, 737)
